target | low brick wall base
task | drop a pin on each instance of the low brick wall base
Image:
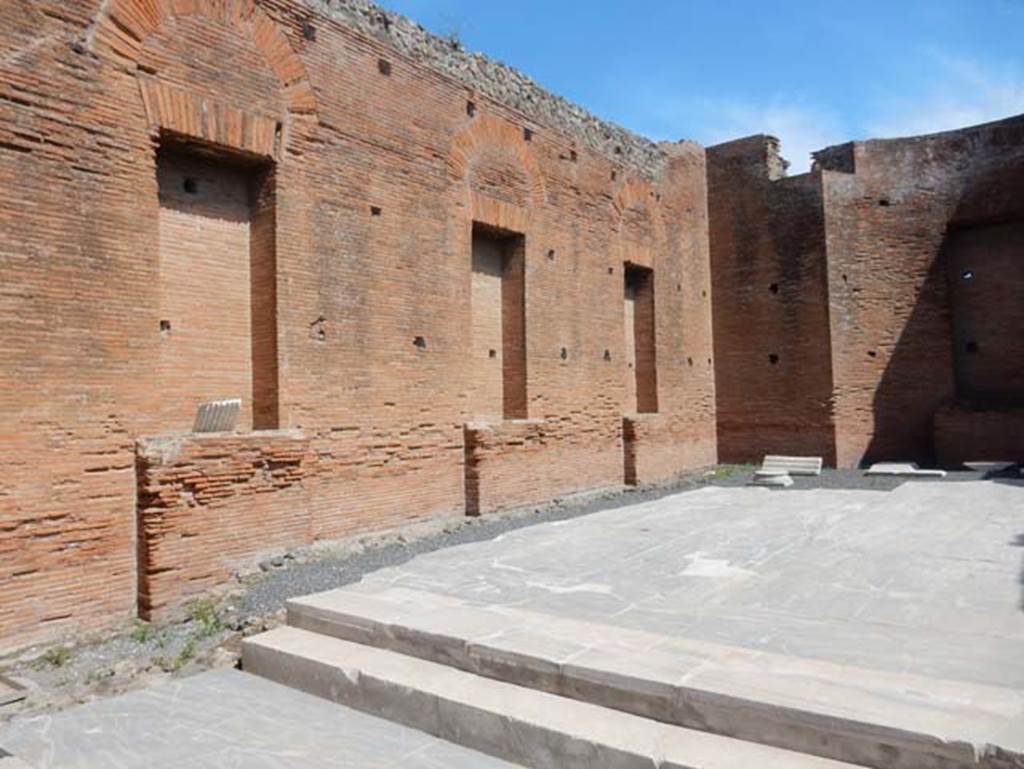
(659, 447)
(208, 503)
(963, 435)
(529, 461)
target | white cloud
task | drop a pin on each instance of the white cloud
(964, 92)
(801, 129)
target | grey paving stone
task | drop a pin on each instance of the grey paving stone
(527, 726)
(869, 624)
(923, 579)
(223, 720)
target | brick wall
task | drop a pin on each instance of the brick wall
(656, 444)
(528, 461)
(367, 169)
(773, 373)
(208, 503)
(889, 214)
(837, 293)
(963, 434)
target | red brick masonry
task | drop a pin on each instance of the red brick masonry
(273, 201)
(436, 289)
(208, 502)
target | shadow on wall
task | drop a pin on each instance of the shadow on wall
(918, 377)
(936, 362)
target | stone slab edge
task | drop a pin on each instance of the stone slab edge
(903, 722)
(517, 724)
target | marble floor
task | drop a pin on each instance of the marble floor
(226, 720)
(925, 579)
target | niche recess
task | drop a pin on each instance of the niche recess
(218, 298)
(985, 269)
(498, 324)
(641, 360)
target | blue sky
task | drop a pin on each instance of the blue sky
(813, 72)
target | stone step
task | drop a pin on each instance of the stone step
(518, 724)
(866, 717)
(792, 465)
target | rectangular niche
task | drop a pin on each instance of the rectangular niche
(498, 324)
(641, 359)
(986, 278)
(217, 286)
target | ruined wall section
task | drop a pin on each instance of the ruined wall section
(496, 81)
(682, 433)
(771, 327)
(890, 205)
(380, 166)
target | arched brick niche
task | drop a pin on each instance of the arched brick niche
(136, 35)
(499, 170)
(638, 227)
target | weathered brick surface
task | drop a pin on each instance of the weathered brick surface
(656, 445)
(773, 374)
(852, 277)
(377, 171)
(890, 304)
(524, 461)
(210, 502)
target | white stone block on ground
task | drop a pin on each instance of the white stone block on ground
(772, 478)
(792, 465)
(903, 468)
(989, 467)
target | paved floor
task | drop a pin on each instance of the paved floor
(222, 720)
(924, 579)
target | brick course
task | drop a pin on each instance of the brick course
(368, 156)
(836, 296)
(277, 200)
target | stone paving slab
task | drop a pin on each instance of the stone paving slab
(7, 761)
(530, 727)
(866, 716)
(10, 691)
(872, 620)
(225, 719)
(924, 580)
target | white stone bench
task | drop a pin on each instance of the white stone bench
(903, 468)
(772, 478)
(791, 465)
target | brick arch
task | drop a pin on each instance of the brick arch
(635, 193)
(491, 133)
(122, 26)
